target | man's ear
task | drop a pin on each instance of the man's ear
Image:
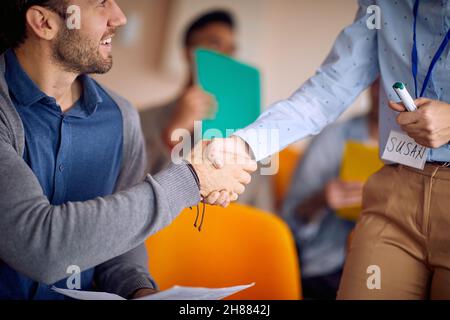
(42, 22)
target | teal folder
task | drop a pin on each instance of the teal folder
(236, 87)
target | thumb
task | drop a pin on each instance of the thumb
(399, 107)
(421, 102)
(215, 154)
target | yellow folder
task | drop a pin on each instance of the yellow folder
(360, 161)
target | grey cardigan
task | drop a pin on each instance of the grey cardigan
(41, 241)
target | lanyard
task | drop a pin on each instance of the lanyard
(415, 58)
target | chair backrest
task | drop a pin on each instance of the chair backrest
(238, 245)
(289, 159)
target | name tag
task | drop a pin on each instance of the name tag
(402, 149)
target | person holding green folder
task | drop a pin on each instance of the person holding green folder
(216, 31)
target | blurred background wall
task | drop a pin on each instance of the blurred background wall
(286, 39)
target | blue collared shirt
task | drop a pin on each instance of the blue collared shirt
(76, 156)
(359, 55)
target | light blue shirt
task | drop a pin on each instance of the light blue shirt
(358, 57)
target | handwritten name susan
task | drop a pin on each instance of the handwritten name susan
(406, 148)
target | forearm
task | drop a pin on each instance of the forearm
(347, 71)
(126, 274)
(42, 241)
(308, 209)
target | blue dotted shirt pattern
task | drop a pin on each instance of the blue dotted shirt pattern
(358, 57)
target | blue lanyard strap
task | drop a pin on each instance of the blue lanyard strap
(415, 59)
(414, 50)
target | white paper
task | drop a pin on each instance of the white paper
(184, 293)
(175, 293)
(87, 295)
(402, 149)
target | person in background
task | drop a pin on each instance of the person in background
(317, 193)
(213, 30)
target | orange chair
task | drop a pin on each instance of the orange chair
(238, 245)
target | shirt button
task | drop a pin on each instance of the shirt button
(61, 168)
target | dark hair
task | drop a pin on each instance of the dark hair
(206, 19)
(13, 19)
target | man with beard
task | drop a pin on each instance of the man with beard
(72, 158)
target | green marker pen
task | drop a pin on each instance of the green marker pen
(404, 95)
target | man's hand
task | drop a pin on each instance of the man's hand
(194, 105)
(220, 186)
(340, 194)
(221, 150)
(429, 125)
(144, 293)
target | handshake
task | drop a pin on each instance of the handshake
(223, 167)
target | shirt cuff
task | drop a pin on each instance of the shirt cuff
(263, 142)
(194, 173)
(180, 187)
(133, 285)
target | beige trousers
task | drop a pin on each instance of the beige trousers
(401, 245)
